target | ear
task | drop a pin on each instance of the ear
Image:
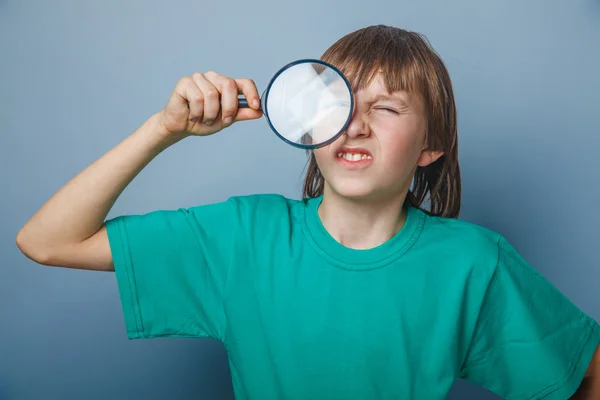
(429, 156)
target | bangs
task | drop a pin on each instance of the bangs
(363, 54)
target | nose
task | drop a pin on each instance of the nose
(358, 126)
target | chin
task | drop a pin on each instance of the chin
(364, 189)
(353, 190)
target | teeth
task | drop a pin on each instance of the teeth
(354, 156)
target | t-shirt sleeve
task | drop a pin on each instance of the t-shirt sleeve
(171, 268)
(530, 341)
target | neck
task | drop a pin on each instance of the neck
(362, 223)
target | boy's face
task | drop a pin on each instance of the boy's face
(383, 144)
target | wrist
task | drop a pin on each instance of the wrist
(160, 139)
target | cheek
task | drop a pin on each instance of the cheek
(320, 154)
(397, 156)
(324, 155)
(400, 148)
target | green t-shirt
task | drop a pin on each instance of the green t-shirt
(303, 317)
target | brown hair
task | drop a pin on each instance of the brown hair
(407, 62)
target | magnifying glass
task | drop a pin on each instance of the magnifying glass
(308, 103)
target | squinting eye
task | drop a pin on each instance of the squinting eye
(388, 110)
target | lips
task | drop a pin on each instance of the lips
(353, 157)
(354, 153)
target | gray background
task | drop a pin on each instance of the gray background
(77, 77)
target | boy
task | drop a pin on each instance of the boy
(354, 292)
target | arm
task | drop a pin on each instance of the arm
(590, 386)
(529, 340)
(69, 229)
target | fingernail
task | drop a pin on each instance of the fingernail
(256, 103)
(194, 119)
(209, 122)
(227, 120)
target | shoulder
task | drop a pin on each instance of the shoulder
(264, 204)
(255, 210)
(458, 248)
(263, 200)
(474, 246)
(462, 236)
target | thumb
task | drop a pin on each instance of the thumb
(244, 114)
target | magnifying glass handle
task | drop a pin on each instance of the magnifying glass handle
(243, 103)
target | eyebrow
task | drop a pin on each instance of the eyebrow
(395, 99)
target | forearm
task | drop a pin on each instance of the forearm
(589, 389)
(590, 385)
(79, 208)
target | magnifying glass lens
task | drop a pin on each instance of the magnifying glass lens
(308, 103)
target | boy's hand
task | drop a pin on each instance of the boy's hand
(203, 104)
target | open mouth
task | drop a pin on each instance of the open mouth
(350, 156)
(354, 157)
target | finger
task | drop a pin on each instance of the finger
(228, 91)
(187, 98)
(244, 114)
(229, 99)
(247, 87)
(211, 96)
